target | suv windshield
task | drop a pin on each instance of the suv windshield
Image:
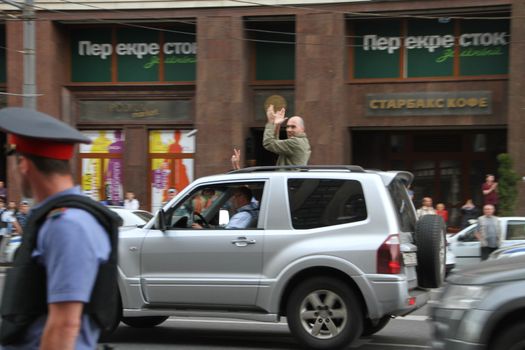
(403, 204)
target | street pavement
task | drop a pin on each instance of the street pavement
(404, 333)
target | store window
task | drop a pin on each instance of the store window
(171, 155)
(120, 54)
(101, 165)
(427, 48)
(273, 47)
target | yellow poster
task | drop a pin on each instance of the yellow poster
(91, 172)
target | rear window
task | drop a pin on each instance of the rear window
(325, 202)
(403, 204)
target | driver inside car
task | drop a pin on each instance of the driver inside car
(246, 210)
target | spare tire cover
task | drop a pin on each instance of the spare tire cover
(431, 251)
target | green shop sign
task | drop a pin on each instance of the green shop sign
(135, 56)
(428, 48)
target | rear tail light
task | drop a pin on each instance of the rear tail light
(389, 256)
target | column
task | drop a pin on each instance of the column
(516, 120)
(320, 84)
(221, 97)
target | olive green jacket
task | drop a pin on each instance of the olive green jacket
(292, 151)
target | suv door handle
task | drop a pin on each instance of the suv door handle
(243, 241)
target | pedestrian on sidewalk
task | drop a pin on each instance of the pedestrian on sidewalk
(131, 202)
(488, 231)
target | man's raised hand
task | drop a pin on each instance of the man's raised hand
(279, 116)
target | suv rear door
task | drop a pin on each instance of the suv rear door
(406, 217)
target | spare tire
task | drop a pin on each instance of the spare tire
(431, 251)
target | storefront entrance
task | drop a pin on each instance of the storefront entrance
(449, 165)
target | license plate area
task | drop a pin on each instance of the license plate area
(410, 259)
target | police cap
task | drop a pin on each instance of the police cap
(36, 133)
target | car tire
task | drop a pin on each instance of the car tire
(370, 327)
(324, 313)
(512, 338)
(144, 322)
(431, 251)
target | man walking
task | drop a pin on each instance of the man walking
(62, 288)
(488, 231)
(295, 150)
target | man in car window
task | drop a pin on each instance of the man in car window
(246, 210)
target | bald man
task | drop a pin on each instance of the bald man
(295, 150)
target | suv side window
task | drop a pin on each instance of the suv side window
(215, 206)
(325, 202)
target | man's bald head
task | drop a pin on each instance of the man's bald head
(295, 126)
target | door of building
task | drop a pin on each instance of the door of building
(449, 165)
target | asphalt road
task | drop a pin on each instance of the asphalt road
(408, 333)
(403, 333)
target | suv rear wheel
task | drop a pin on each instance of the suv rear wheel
(431, 250)
(324, 313)
(371, 327)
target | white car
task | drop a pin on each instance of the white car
(466, 247)
(130, 219)
(450, 261)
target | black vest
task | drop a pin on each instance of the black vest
(25, 290)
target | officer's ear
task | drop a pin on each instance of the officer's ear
(23, 164)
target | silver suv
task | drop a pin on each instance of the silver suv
(335, 250)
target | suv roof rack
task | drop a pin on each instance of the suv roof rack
(351, 168)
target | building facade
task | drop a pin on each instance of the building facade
(166, 93)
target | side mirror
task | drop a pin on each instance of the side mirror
(160, 220)
(224, 217)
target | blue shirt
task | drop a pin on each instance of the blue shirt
(71, 245)
(244, 216)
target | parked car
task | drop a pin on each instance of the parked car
(450, 261)
(466, 247)
(482, 307)
(336, 250)
(130, 219)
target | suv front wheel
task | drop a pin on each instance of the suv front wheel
(324, 313)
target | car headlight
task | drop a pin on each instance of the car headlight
(462, 297)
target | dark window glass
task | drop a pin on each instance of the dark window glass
(397, 143)
(516, 230)
(438, 143)
(325, 202)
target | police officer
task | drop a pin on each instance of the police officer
(62, 289)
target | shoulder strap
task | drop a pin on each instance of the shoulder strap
(108, 219)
